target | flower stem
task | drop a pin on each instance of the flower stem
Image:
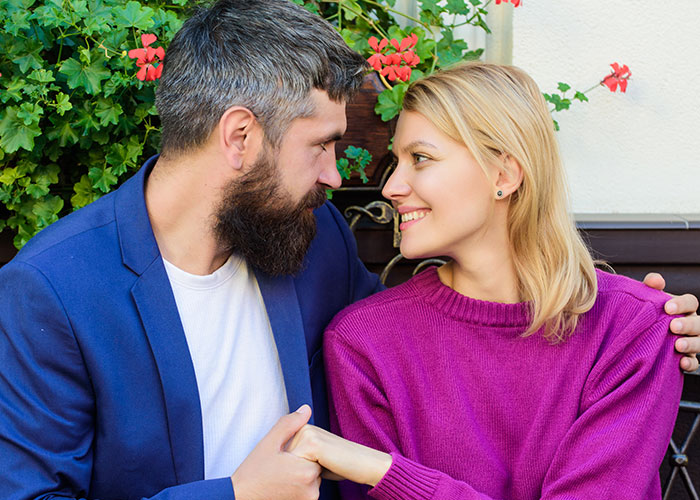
(386, 84)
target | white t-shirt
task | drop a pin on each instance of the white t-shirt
(239, 376)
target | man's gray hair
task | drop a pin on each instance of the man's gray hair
(264, 55)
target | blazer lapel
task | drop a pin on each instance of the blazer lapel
(156, 305)
(159, 315)
(282, 306)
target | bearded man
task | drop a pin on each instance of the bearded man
(154, 343)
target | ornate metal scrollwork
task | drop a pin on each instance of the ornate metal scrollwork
(382, 213)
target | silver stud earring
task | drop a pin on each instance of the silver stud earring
(499, 193)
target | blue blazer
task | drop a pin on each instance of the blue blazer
(98, 397)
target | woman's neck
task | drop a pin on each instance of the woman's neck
(484, 273)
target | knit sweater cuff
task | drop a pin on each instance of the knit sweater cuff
(406, 480)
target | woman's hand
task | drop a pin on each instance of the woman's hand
(342, 459)
(689, 327)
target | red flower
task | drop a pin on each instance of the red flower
(377, 47)
(397, 65)
(376, 61)
(619, 76)
(146, 57)
(516, 3)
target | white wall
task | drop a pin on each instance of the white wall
(637, 152)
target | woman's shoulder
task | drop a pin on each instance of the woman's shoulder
(627, 296)
(629, 315)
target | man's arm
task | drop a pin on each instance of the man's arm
(689, 326)
(48, 402)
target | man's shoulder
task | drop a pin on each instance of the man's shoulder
(382, 307)
(69, 232)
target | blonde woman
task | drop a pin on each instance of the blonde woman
(517, 370)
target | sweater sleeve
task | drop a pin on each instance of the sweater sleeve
(613, 449)
(628, 408)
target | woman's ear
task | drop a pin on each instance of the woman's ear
(236, 130)
(510, 177)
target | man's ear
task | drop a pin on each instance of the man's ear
(236, 133)
(510, 176)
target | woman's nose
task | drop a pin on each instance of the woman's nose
(396, 186)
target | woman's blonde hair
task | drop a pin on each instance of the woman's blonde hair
(495, 110)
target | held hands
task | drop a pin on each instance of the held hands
(340, 458)
(689, 344)
(271, 472)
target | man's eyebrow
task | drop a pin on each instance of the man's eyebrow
(334, 137)
(415, 144)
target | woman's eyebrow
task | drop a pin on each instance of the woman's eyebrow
(418, 143)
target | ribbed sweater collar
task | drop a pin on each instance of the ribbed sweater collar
(462, 308)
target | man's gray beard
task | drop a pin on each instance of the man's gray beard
(258, 221)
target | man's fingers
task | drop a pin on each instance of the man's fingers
(655, 280)
(688, 325)
(689, 363)
(683, 304)
(287, 426)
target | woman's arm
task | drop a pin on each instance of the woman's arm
(615, 446)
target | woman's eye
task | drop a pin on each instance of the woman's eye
(419, 158)
(323, 147)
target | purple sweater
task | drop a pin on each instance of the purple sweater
(469, 409)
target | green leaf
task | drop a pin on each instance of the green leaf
(17, 22)
(432, 7)
(450, 51)
(351, 7)
(30, 113)
(134, 15)
(84, 193)
(46, 210)
(102, 178)
(46, 174)
(14, 90)
(37, 191)
(580, 96)
(108, 111)
(122, 156)
(343, 166)
(63, 103)
(389, 102)
(9, 176)
(41, 76)
(29, 55)
(63, 131)
(3, 224)
(563, 87)
(15, 134)
(459, 7)
(86, 119)
(87, 76)
(51, 15)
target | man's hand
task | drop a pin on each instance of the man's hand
(271, 472)
(687, 304)
(340, 458)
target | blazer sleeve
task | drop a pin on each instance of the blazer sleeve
(48, 403)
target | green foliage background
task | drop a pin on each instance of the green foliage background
(74, 119)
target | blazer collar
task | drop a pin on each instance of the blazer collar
(136, 239)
